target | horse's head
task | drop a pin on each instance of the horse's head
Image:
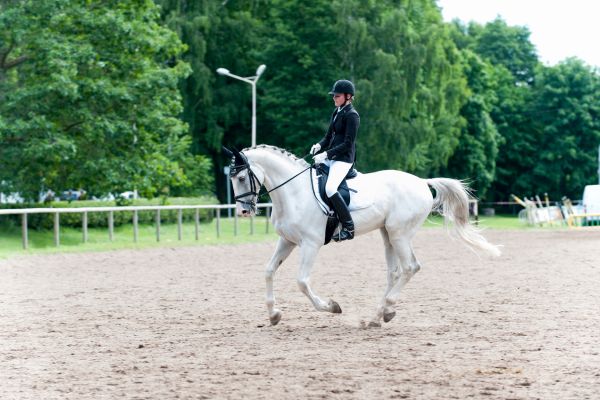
(246, 183)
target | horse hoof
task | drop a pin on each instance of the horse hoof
(373, 324)
(335, 307)
(275, 318)
(387, 317)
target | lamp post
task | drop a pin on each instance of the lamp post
(252, 81)
(228, 185)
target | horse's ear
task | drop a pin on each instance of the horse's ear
(239, 158)
(227, 152)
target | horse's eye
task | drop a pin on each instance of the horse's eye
(242, 178)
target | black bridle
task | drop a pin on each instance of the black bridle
(238, 167)
(240, 163)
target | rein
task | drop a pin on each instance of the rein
(254, 180)
(280, 185)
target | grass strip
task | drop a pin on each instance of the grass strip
(71, 239)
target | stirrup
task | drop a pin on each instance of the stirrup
(343, 234)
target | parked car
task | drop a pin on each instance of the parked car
(70, 195)
(129, 195)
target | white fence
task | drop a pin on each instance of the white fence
(24, 212)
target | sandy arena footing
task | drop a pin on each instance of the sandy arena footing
(190, 323)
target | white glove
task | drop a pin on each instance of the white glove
(315, 149)
(319, 158)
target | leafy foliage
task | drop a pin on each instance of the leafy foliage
(566, 106)
(407, 71)
(475, 156)
(112, 96)
(95, 102)
(547, 117)
(506, 45)
(410, 84)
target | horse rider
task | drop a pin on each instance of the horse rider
(338, 151)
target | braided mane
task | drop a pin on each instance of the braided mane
(279, 151)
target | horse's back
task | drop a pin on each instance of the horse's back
(398, 184)
(401, 199)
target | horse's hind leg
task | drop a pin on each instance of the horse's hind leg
(282, 251)
(308, 254)
(392, 276)
(407, 266)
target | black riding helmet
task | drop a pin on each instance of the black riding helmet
(342, 86)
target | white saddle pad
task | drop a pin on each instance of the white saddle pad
(360, 196)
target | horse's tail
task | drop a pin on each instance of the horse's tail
(452, 201)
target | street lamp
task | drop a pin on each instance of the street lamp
(252, 81)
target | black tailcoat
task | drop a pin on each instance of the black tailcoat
(339, 142)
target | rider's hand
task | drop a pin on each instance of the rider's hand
(315, 149)
(319, 158)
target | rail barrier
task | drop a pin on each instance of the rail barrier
(583, 220)
(24, 212)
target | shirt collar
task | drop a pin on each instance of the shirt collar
(344, 107)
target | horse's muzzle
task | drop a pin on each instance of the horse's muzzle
(244, 210)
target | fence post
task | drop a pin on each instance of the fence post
(197, 222)
(135, 226)
(84, 223)
(218, 211)
(235, 223)
(57, 229)
(158, 224)
(24, 231)
(474, 209)
(179, 221)
(111, 225)
(267, 212)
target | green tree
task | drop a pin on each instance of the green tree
(94, 102)
(410, 85)
(475, 156)
(508, 46)
(514, 61)
(408, 73)
(302, 68)
(517, 151)
(566, 118)
(218, 109)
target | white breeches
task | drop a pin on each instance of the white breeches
(337, 172)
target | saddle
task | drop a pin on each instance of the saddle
(332, 219)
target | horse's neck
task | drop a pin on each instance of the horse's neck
(277, 170)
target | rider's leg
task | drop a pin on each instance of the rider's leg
(337, 172)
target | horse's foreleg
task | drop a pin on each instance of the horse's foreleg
(282, 251)
(308, 256)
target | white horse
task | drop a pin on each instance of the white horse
(401, 204)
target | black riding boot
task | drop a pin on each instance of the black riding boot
(339, 205)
